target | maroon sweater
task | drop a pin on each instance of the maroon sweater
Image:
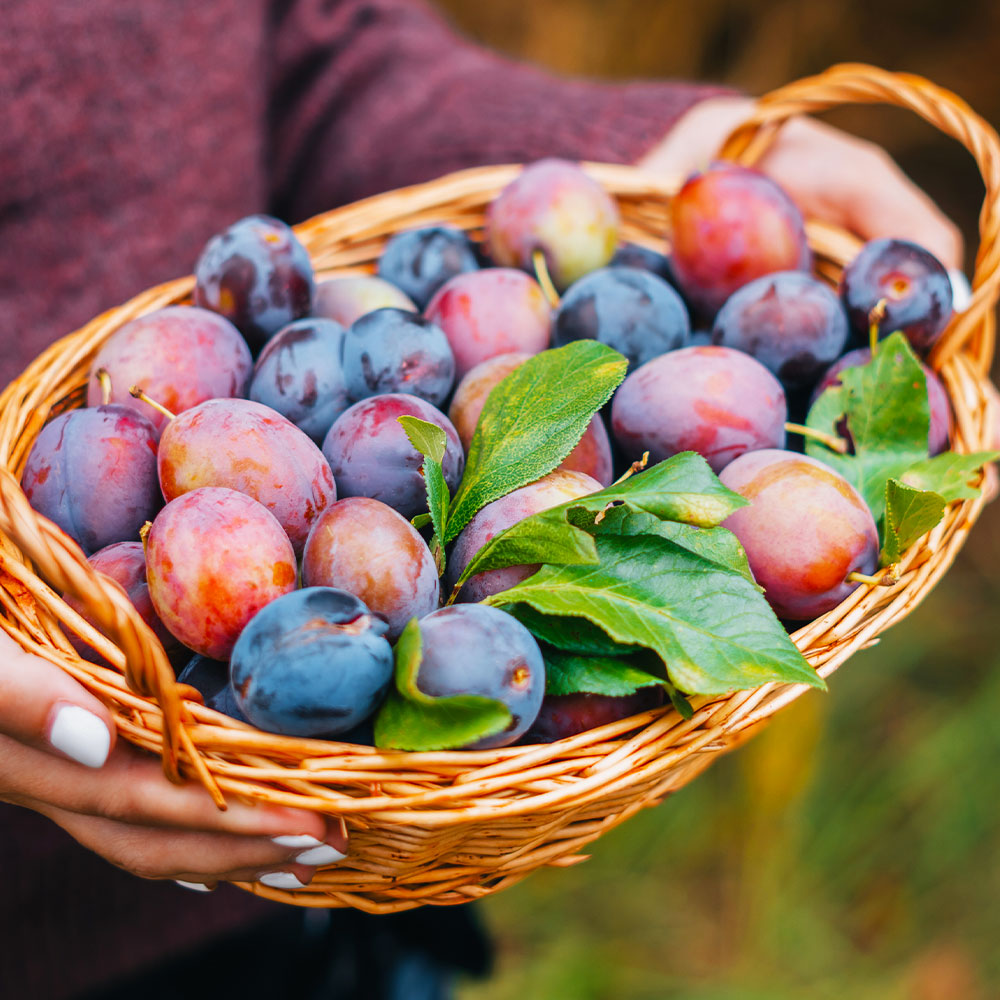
(132, 132)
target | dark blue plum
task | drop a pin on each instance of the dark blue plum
(93, 472)
(211, 678)
(631, 310)
(314, 662)
(475, 649)
(914, 284)
(789, 321)
(258, 275)
(371, 456)
(634, 255)
(420, 261)
(393, 350)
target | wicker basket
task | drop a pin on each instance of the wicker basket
(448, 827)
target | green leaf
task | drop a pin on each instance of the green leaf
(951, 475)
(420, 521)
(570, 673)
(710, 626)
(571, 635)
(431, 441)
(683, 488)
(531, 421)
(909, 513)
(412, 720)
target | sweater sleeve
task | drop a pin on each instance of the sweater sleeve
(368, 95)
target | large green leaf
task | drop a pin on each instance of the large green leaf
(950, 475)
(571, 673)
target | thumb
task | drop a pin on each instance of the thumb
(43, 707)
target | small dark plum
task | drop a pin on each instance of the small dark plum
(395, 350)
(939, 434)
(565, 715)
(93, 472)
(300, 374)
(364, 547)
(371, 456)
(475, 649)
(635, 255)
(258, 275)
(805, 531)
(729, 225)
(791, 322)
(633, 311)
(712, 400)
(180, 356)
(420, 261)
(211, 679)
(312, 663)
(346, 299)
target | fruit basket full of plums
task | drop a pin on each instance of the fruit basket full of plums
(481, 514)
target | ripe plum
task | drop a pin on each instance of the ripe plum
(258, 275)
(371, 456)
(712, 400)
(214, 558)
(211, 679)
(93, 472)
(634, 255)
(475, 649)
(549, 491)
(314, 662)
(789, 321)
(592, 455)
(806, 529)
(347, 299)
(395, 350)
(912, 282)
(730, 225)
(299, 373)
(633, 311)
(490, 312)
(364, 547)
(553, 206)
(180, 356)
(420, 261)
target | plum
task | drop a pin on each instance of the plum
(490, 312)
(347, 299)
(364, 547)
(210, 678)
(214, 558)
(635, 255)
(805, 530)
(565, 715)
(729, 225)
(180, 356)
(712, 400)
(592, 455)
(553, 206)
(475, 649)
(420, 261)
(549, 491)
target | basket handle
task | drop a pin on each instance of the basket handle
(857, 83)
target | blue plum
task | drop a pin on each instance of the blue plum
(420, 261)
(211, 679)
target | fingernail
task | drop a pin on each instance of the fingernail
(281, 880)
(80, 735)
(961, 290)
(303, 840)
(196, 886)
(322, 855)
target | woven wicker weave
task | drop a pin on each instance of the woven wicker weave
(453, 826)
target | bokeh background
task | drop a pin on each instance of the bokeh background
(853, 848)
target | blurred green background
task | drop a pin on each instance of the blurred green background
(853, 848)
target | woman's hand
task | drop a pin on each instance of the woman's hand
(831, 176)
(59, 757)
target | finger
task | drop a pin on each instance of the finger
(43, 707)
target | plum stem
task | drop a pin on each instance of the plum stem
(886, 579)
(635, 467)
(104, 379)
(453, 596)
(144, 535)
(159, 407)
(875, 317)
(544, 278)
(834, 443)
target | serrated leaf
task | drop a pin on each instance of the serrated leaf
(951, 475)
(531, 421)
(711, 627)
(409, 719)
(909, 513)
(571, 635)
(571, 673)
(429, 439)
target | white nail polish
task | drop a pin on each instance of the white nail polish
(961, 290)
(303, 840)
(196, 886)
(322, 855)
(281, 880)
(81, 735)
